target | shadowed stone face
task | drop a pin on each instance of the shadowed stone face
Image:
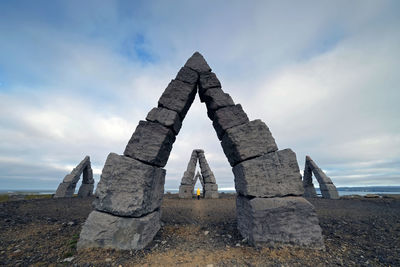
(187, 75)
(166, 117)
(279, 221)
(178, 97)
(246, 141)
(271, 175)
(151, 142)
(198, 63)
(108, 231)
(228, 117)
(129, 187)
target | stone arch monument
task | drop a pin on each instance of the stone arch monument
(207, 179)
(67, 186)
(328, 189)
(270, 208)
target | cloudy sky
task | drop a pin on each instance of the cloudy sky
(77, 76)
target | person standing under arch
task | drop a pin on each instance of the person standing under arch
(198, 193)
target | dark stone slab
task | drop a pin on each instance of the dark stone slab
(228, 117)
(104, 230)
(187, 75)
(215, 98)
(151, 142)
(198, 63)
(178, 96)
(246, 141)
(186, 191)
(208, 80)
(85, 190)
(270, 175)
(279, 222)
(129, 187)
(166, 117)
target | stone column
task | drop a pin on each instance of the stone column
(309, 189)
(187, 183)
(210, 186)
(131, 187)
(270, 209)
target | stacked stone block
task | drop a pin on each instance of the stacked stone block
(67, 186)
(328, 189)
(207, 179)
(270, 209)
(131, 187)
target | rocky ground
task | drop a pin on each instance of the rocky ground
(44, 232)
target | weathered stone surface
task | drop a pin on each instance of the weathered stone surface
(65, 190)
(208, 175)
(187, 75)
(186, 191)
(246, 141)
(309, 191)
(178, 96)
(85, 190)
(211, 194)
(329, 191)
(188, 175)
(273, 174)
(198, 63)
(215, 99)
(104, 230)
(208, 80)
(210, 187)
(228, 117)
(151, 142)
(129, 187)
(279, 221)
(166, 117)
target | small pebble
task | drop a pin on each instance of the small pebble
(68, 259)
(206, 232)
(108, 259)
(164, 242)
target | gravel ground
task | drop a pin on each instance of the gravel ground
(44, 232)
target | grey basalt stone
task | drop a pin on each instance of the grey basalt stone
(85, 190)
(211, 194)
(178, 96)
(67, 187)
(151, 143)
(186, 191)
(270, 175)
(228, 117)
(104, 230)
(329, 191)
(210, 187)
(215, 99)
(129, 187)
(166, 117)
(198, 63)
(246, 141)
(208, 80)
(208, 175)
(187, 75)
(276, 222)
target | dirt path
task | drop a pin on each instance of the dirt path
(197, 233)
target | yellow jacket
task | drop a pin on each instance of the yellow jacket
(198, 191)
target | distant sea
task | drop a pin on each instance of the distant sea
(343, 191)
